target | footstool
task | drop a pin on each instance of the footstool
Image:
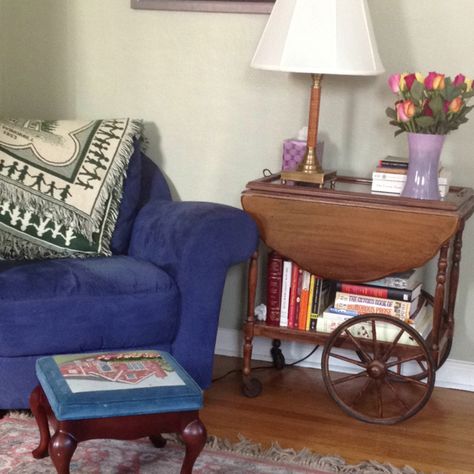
(119, 395)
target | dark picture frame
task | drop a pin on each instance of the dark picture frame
(229, 6)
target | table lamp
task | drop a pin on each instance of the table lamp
(318, 37)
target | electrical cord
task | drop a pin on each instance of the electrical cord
(260, 367)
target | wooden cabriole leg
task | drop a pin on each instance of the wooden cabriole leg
(439, 298)
(39, 412)
(194, 436)
(249, 324)
(61, 450)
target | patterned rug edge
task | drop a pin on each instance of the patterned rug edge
(275, 453)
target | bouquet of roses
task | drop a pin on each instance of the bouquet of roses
(433, 104)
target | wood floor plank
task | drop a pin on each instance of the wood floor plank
(295, 410)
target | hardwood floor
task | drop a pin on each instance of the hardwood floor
(295, 410)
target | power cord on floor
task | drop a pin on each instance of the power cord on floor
(260, 367)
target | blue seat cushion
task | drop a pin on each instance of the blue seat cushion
(81, 386)
(77, 305)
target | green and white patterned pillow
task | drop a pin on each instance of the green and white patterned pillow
(61, 185)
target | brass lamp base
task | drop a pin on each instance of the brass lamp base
(315, 178)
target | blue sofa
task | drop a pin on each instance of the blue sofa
(161, 289)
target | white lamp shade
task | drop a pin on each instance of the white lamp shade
(320, 37)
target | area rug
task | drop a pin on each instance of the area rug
(19, 436)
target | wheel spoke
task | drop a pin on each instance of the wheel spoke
(392, 388)
(347, 359)
(379, 398)
(359, 347)
(361, 392)
(348, 378)
(392, 345)
(374, 338)
(404, 378)
(407, 359)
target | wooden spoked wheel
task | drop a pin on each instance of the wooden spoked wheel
(378, 369)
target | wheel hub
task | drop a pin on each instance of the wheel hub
(376, 369)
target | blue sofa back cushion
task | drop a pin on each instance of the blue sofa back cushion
(129, 205)
(77, 305)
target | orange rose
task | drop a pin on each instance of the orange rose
(455, 105)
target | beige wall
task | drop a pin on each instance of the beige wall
(213, 122)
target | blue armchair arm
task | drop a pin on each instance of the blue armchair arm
(196, 243)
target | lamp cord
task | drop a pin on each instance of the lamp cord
(260, 367)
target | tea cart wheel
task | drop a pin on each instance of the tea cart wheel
(391, 372)
(251, 387)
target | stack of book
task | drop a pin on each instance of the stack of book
(397, 295)
(391, 174)
(295, 297)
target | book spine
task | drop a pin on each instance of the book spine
(396, 186)
(381, 176)
(377, 291)
(345, 312)
(371, 304)
(325, 296)
(317, 294)
(303, 312)
(298, 297)
(274, 275)
(293, 295)
(310, 301)
(393, 164)
(285, 293)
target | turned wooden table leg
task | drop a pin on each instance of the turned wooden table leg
(39, 412)
(248, 329)
(454, 277)
(61, 450)
(194, 436)
(439, 298)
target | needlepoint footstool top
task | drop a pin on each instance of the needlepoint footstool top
(111, 384)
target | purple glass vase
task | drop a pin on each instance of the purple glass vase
(424, 151)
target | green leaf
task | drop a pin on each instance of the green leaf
(436, 104)
(424, 121)
(398, 132)
(391, 113)
(451, 92)
(417, 91)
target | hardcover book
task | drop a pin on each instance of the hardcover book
(294, 295)
(380, 291)
(404, 280)
(303, 311)
(274, 275)
(285, 293)
(370, 304)
(422, 323)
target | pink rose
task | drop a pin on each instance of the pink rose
(405, 110)
(409, 80)
(459, 80)
(434, 81)
(394, 83)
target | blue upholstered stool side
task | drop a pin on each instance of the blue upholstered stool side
(81, 397)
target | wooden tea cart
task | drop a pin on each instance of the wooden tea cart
(346, 233)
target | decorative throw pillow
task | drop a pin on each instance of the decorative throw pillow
(61, 185)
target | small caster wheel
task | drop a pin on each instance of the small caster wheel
(251, 388)
(277, 356)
